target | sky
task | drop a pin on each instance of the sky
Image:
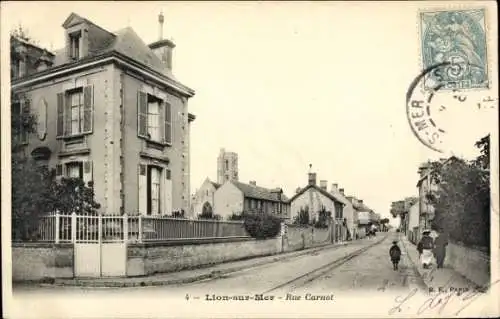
(286, 85)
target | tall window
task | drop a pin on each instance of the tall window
(227, 165)
(154, 118)
(154, 185)
(154, 123)
(76, 109)
(74, 170)
(74, 42)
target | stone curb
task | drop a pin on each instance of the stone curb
(149, 281)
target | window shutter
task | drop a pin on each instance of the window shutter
(142, 114)
(88, 172)
(168, 192)
(26, 106)
(168, 123)
(88, 106)
(60, 114)
(161, 119)
(142, 189)
(59, 170)
(67, 115)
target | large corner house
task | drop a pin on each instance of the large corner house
(110, 111)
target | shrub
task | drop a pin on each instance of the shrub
(262, 226)
(302, 217)
(236, 216)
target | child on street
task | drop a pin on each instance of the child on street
(395, 254)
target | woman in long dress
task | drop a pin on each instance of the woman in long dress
(424, 247)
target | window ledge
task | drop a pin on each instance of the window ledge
(154, 143)
(73, 137)
(82, 151)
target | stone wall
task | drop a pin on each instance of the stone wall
(474, 264)
(147, 259)
(305, 237)
(38, 261)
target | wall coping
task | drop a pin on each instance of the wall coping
(40, 245)
(201, 241)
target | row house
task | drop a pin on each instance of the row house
(427, 185)
(110, 111)
(235, 197)
(364, 216)
(316, 198)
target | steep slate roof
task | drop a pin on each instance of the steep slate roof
(258, 192)
(334, 197)
(124, 41)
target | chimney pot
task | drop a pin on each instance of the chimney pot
(312, 178)
(322, 184)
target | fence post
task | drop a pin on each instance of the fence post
(56, 237)
(99, 228)
(73, 227)
(125, 227)
(139, 239)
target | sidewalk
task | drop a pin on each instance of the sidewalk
(188, 276)
(436, 280)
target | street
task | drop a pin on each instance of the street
(361, 268)
(360, 265)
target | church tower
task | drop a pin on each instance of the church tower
(227, 166)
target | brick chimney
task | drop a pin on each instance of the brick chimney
(360, 201)
(297, 190)
(163, 47)
(341, 190)
(312, 179)
(335, 187)
(323, 184)
(253, 183)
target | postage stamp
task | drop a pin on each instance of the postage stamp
(457, 37)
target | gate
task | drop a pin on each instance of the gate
(100, 248)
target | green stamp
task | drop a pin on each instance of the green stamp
(457, 40)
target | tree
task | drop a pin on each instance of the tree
(462, 198)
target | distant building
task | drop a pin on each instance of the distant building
(227, 166)
(204, 198)
(364, 216)
(314, 198)
(234, 197)
(110, 111)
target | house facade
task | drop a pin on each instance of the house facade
(413, 222)
(314, 199)
(204, 198)
(234, 197)
(110, 111)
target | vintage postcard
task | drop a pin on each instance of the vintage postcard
(250, 159)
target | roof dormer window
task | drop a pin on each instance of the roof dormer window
(74, 43)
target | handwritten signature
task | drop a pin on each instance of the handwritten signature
(440, 300)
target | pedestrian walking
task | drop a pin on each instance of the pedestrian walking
(395, 254)
(440, 249)
(425, 247)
